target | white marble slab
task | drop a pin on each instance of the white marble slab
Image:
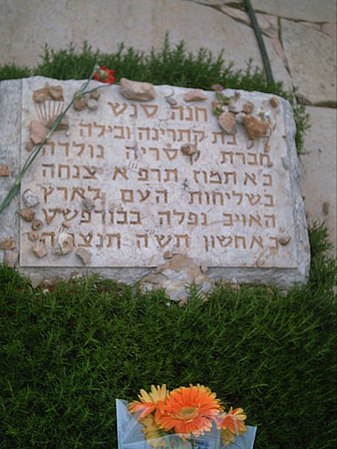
(233, 205)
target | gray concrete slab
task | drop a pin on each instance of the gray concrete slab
(319, 169)
(267, 23)
(311, 56)
(330, 29)
(311, 10)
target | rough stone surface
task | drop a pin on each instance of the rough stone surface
(278, 60)
(319, 170)
(330, 29)
(176, 275)
(268, 24)
(10, 131)
(150, 198)
(311, 10)
(36, 279)
(210, 2)
(312, 61)
(11, 258)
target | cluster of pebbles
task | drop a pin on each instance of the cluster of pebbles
(232, 112)
(64, 244)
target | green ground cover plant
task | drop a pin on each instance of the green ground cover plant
(66, 354)
(170, 65)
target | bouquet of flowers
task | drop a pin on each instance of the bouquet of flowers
(185, 418)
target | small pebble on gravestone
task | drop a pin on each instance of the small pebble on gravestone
(37, 224)
(135, 90)
(195, 95)
(39, 250)
(255, 127)
(248, 107)
(8, 243)
(84, 255)
(29, 199)
(4, 170)
(27, 214)
(38, 132)
(65, 244)
(227, 122)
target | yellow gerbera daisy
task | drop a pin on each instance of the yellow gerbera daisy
(151, 429)
(231, 425)
(148, 402)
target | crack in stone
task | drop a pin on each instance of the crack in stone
(237, 19)
(285, 63)
(291, 18)
(300, 99)
(324, 104)
(303, 100)
(235, 5)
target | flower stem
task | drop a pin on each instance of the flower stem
(17, 183)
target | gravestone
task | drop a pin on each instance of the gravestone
(126, 184)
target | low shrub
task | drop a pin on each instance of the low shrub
(66, 354)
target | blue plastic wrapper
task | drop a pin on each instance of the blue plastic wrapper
(131, 436)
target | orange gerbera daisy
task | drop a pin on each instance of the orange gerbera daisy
(148, 402)
(232, 424)
(189, 410)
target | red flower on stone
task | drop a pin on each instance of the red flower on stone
(105, 75)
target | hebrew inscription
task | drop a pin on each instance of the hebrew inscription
(122, 185)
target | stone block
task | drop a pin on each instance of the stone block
(268, 24)
(319, 170)
(310, 10)
(10, 132)
(330, 29)
(210, 2)
(311, 57)
(233, 204)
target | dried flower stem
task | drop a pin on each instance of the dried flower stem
(17, 183)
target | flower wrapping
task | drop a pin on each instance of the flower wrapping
(131, 435)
